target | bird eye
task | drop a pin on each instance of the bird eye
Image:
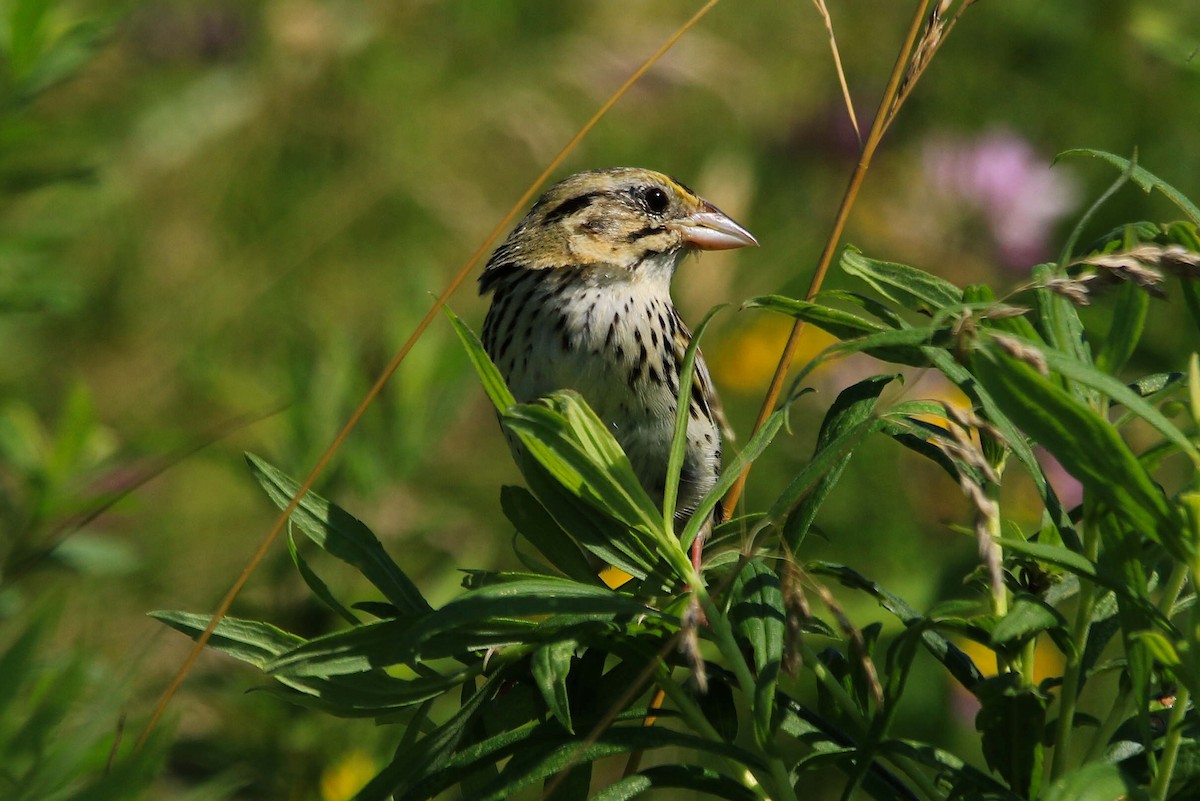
(656, 199)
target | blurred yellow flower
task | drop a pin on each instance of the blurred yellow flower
(344, 778)
(745, 361)
(1047, 659)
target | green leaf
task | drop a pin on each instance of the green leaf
(956, 662)
(538, 526)
(841, 324)
(341, 535)
(851, 329)
(1086, 445)
(431, 752)
(1094, 781)
(1058, 319)
(1145, 179)
(754, 448)
(493, 382)
(1010, 718)
(537, 753)
(552, 456)
(1080, 566)
(852, 413)
(578, 449)
(1162, 649)
(682, 415)
(247, 640)
(965, 777)
(1129, 318)
(704, 781)
(1027, 617)
(757, 613)
(1123, 394)
(600, 534)
(318, 587)
(719, 708)
(912, 288)
(825, 462)
(966, 381)
(493, 615)
(363, 695)
(879, 310)
(551, 665)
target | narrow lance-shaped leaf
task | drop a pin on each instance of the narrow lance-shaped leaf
(341, 535)
(1086, 445)
(318, 587)
(1184, 234)
(1059, 323)
(754, 448)
(1145, 179)
(913, 288)
(538, 526)
(550, 665)
(852, 409)
(682, 407)
(507, 610)
(757, 613)
(850, 328)
(493, 382)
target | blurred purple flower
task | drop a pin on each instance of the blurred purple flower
(999, 175)
(1065, 485)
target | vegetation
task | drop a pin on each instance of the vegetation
(221, 219)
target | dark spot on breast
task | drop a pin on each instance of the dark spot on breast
(654, 377)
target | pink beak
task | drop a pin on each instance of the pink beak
(711, 229)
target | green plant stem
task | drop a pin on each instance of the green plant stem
(1121, 709)
(1173, 587)
(1072, 675)
(1174, 738)
(1166, 765)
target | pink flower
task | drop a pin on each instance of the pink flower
(998, 175)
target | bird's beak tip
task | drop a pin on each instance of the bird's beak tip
(712, 229)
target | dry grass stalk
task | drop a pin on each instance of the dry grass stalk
(837, 64)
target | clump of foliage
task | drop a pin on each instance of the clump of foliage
(532, 678)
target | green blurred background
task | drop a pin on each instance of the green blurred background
(218, 220)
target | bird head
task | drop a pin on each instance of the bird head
(617, 221)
